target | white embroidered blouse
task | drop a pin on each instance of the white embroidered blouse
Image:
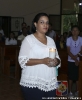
(40, 75)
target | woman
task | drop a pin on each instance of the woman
(74, 48)
(38, 77)
(11, 40)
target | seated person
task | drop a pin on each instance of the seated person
(1, 31)
(28, 30)
(51, 33)
(22, 25)
(65, 35)
(11, 40)
(2, 39)
(61, 44)
(22, 36)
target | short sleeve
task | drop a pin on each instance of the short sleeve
(68, 42)
(24, 53)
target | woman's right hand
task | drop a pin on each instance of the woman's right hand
(47, 61)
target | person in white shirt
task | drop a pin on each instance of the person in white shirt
(22, 36)
(11, 40)
(22, 25)
(51, 33)
(39, 76)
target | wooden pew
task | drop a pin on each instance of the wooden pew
(80, 78)
(9, 57)
(18, 68)
(62, 75)
(1, 44)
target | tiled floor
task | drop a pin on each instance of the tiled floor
(9, 88)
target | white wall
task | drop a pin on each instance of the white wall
(28, 8)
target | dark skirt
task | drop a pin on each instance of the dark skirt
(73, 71)
(37, 94)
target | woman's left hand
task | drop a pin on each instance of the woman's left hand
(54, 63)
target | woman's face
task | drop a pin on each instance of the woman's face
(42, 25)
(75, 31)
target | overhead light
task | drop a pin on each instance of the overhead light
(80, 4)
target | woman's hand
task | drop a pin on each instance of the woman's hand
(51, 62)
(47, 61)
(56, 62)
(76, 62)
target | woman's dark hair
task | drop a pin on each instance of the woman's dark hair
(36, 18)
(75, 26)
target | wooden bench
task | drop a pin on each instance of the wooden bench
(9, 57)
(1, 44)
(18, 68)
(62, 75)
(80, 78)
